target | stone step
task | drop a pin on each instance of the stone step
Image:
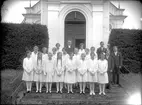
(73, 96)
(58, 100)
(115, 90)
(115, 96)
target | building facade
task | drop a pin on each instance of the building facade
(82, 21)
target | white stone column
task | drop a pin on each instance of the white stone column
(97, 25)
(44, 15)
(106, 22)
(44, 12)
(53, 25)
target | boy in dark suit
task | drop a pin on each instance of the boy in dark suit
(110, 66)
(117, 64)
(101, 49)
(69, 48)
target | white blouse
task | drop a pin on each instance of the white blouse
(70, 65)
(102, 66)
(82, 67)
(93, 66)
(34, 59)
(39, 66)
(28, 64)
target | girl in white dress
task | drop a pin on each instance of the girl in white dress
(34, 58)
(49, 72)
(76, 57)
(39, 72)
(81, 50)
(87, 54)
(44, 61)
(54, 53)
(54, 57)
(28, 71)
(65, 56)
(102, 73)
(59, 72)
(70, 75)
(92, 72)
(87, 59)
(92, 50)
(82, 70)
(58, 48)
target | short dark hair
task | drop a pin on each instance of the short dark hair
(57, 43)
(115, 46)
(101, 42)
(81, 44)
(28, 51)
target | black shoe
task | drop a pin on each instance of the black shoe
(119, 85)
(28, 91)
(108, 86)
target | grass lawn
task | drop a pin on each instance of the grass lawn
(131, 82)
(7, 76)
(132, 85)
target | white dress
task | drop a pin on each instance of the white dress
(92, 70)
(65, 57)
(81, 51)
(102, 71)
(38, 76)
(34, 60)
(70, 75)
(82, 71)
(28, 69)
(44, 63)
(59, 71)
(77, 58)
(49, 71)
(87, 57)
(54, 56)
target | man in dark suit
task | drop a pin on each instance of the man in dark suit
(117, 64)
(110, 66)
(101, 49)
(69, 48)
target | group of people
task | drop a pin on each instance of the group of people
(72, 67)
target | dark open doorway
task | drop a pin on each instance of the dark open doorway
(75, 28)
(78, 41)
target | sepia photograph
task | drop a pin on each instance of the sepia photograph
(71, 52)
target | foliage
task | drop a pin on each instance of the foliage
(17, 38)
(130, 45)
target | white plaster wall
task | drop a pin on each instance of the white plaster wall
(97, 25)
(53, 16)
(106, 22)
(44, 12)
(53, 26)
(31, 20)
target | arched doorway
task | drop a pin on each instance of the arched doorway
(75, 28)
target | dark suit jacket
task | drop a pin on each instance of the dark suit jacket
(117, 59)
(68, 50)
(110, 63)
(99, 51)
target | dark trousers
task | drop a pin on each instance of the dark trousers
(108, 86)
(116, 75)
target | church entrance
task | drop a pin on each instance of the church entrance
(75, 28)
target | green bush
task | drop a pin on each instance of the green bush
(17, 38)
(130, 45)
